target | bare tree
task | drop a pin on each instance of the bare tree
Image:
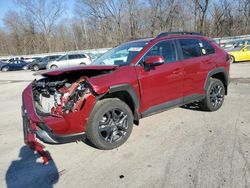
(201, 7)
(44, 13)
(38, 26)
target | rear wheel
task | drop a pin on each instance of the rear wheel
(35, 68)
(110, 124)
(25, 68)
(5, 69)
(214, 95)
(82, 63)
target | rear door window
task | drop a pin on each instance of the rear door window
(191, 48)
(81, 56)
(73, 56)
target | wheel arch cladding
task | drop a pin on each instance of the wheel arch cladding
(127, 94)
(219, 73)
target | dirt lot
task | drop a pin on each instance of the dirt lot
(177, 148)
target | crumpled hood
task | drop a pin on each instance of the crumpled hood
(76, 69)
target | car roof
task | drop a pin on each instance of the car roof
(140, 40)
(170, 37)
(183, 37)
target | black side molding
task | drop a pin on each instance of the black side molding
(135, 99)
(170, 104)
(128, 88)
(216, 71)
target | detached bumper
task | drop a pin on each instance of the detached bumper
(34, 127)
(31, 131)
(30, 138)
(43, 133)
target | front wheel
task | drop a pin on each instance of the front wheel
(232, 59)
(5, 69)
(214, 95)
(53, 67)
(110, 124)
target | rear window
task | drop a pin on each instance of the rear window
(191, 48)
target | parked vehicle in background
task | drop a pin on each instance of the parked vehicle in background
(242, 54)
(235, 44)
(28, 60)
(4, 60)
(229, 45)
(15, 65)
(2, 63)
(95, 56)
(67, 60)
(103, 101)
(41, 63)
(243, 42)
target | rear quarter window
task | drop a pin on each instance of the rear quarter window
(208, 48)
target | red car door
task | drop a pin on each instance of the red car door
(161, 85)
(197, 61)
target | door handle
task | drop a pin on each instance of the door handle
(177, 71)
(208, 62)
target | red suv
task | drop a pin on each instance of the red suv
(102, 101)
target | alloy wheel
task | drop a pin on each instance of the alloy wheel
(216, 95)
(35, 68)
(5, 69)
(113, 125)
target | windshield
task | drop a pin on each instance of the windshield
(121, 55)
(242, 47)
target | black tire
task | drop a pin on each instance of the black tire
(35, 68)
(82, 63)
(215, 94)
(103, 128)
(25, 68)
(232, 59)
(53, 67)
(5, 69)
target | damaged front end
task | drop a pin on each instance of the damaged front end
(59, 98)
(56, 111)
(56, 108)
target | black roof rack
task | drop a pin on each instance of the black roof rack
(164, 34)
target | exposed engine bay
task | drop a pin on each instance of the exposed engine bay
(59, 97)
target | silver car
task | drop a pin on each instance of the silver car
(69, 60)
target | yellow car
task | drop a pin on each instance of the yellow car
(242, 54)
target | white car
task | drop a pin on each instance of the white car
(68, 60)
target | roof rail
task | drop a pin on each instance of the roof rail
(164, 34)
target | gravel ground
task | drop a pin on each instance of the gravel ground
(182, 147)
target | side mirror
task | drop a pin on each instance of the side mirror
(154, 60)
